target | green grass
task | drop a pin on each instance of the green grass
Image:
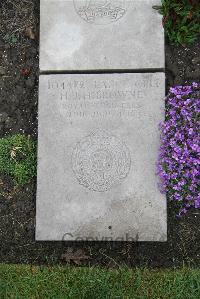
(18, 281)
(18, 158)
(181, 20)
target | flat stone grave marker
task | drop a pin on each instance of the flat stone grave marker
(100, 35)
(98, 145)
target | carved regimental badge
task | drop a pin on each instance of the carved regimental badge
(101, 12)
(100, 161)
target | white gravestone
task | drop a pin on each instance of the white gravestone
(100, 35)
(97, 149)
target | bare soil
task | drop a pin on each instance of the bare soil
(18, 113)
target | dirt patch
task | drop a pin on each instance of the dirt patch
(18, 113)
(182, 64)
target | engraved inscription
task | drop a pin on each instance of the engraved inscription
(100, 161)
(84, 99)
(100, 12)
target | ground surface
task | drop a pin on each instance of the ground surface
(20, 281)
(18, 113)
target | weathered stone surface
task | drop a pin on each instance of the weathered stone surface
(98, 144)
(98, 35)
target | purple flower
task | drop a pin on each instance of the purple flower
(179, 158)
(197, 203)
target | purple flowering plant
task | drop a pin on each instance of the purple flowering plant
(179, 157)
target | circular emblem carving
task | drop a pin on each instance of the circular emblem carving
(100, 161)
(101, 12)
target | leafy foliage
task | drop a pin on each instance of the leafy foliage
(179, 159)
(18, 158)
(181, 20)
(76, 256)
